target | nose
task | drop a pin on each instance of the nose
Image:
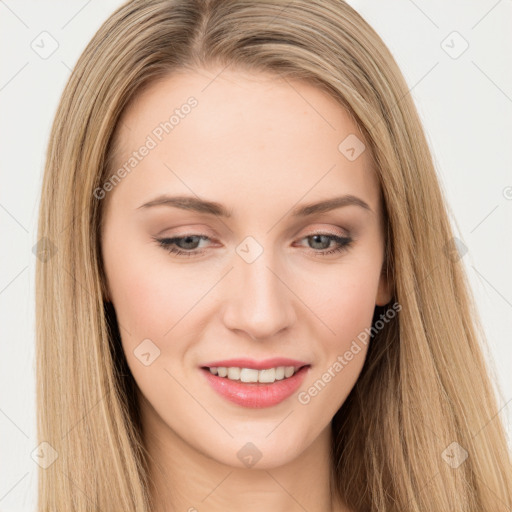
(258, 301)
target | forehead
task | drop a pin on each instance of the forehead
(254, 134)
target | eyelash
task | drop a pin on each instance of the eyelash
(168, 244)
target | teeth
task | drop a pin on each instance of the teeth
(268, 375)
(248, 375)
(288, 371)
(233, 373)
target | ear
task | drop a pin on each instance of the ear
(384, 291)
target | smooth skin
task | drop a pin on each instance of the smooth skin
(261, 146)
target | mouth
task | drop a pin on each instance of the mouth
(252, 375)
(253, 387)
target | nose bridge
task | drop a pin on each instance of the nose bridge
(262, 305)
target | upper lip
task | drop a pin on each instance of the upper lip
(272, 362)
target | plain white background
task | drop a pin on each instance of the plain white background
(464, 96)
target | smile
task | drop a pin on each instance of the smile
(252, 375)
(248, 387)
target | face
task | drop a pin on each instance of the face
(238, 273)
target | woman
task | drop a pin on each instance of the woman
(255, 298)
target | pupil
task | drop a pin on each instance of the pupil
(316, 238)
(187, 241)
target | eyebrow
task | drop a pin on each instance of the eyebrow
(213, 208)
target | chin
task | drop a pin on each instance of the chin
(258, 450)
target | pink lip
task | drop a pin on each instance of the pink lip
(256, 395)
(273, 362)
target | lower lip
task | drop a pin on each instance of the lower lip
(256, 395)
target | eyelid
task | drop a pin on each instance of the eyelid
(343, 243)
(342, 233)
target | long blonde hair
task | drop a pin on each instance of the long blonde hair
(424, 384)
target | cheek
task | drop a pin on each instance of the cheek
(351, 309)
(346, 301)
(151, 301)
(346, 304)
(346, 307)
(150, 296)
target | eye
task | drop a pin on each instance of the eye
(188, 242)
(342, 242)
(188, 245)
